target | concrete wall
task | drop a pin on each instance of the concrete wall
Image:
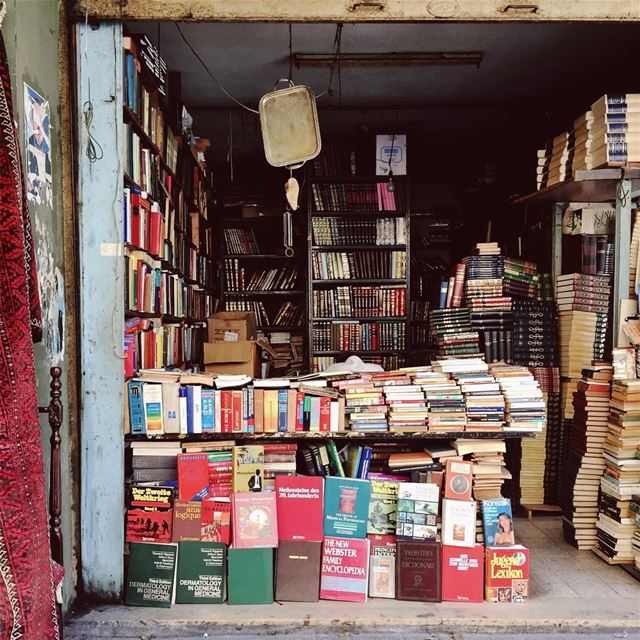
(31, 32)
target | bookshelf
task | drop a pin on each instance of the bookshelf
(358, 298)
(256, 275)
(168, 240)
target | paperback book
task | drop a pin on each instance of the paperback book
(417, 511)
(497, 520)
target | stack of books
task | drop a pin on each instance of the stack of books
(283, 353)
(534, 342)
(485, 404)
(582, 292)
(616, 130)
(621, 480)
(634, 506)
(364, 405)
(524, 404)
(520, 278)
(584, 464)
(279, 460)
(582, 340)
(489, 467)
(542, 168)
(220, 464)
(407, 407)
(453, 333)
(583, 142)
(560, 156)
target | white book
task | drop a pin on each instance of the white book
(152, 400)
(459, 523)
(197, 408)
(182, 408)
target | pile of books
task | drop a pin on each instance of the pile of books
(407, 407)
(582, 292)
(621, 479)
(535, 333)
(337, 538)
(484, 402)
(364, 405)
(520, 279)
(585, 463)
(615, 130)
(524, 404)
(583, 142)
(489, 467)
(453, 333)
(283, 353)
(582, 340)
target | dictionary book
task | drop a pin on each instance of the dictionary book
(418, 571)
(344, 572)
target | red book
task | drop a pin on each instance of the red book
(193, 476)
(450, 292)
(462, 574)
(300, 411)
(300, 507)
(280, 447)
(344, 574)
(215, 525)
(458, 480)
(458, 285)
(236, 410)
(255, 523)
(506, 577)
(155, 230)
(325, 414)
(225, 410)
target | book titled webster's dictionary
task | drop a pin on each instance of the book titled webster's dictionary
(418, 571)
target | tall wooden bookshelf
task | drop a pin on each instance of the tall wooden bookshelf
(358, 294)
(256, 275)
(168, 239)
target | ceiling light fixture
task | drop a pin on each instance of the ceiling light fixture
(408, 59)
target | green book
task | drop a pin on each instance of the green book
(335, 458)
(151, 578)
(346, 507)
(201, 573)
(250, 578)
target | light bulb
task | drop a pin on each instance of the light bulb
(390, 185)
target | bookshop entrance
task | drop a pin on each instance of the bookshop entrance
(347, 382)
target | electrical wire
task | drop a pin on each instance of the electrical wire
(94, 150)
(337, 45)
(202, 62)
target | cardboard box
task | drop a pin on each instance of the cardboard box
(232, 357)
(231, 326)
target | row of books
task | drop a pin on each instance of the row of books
(357, 197)
(359, 231)
(354, 335)
(240, 241)
(597, 255)
(240, 278)
(372, 264)
(284, 314)
(150, 344)
(360, 301)
(616, 524)
(607, 134)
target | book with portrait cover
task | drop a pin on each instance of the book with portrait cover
(149, 514)
(462, 574)
(298, 571)
(201, 573)
(417, 511)
(459, 523)
(248, 468)
(300, 507)
(344, 573)
(215, 524)
(458, 480)
(255, 522)
(418, 571)
(382, 566)
(151, 574)
(497, 522)
(507, 574)
(383, 507)
(346, 507)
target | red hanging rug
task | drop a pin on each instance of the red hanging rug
(27, 598)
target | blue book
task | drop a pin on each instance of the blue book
(365, 462)
(282, 409)
(131, 70)
(346, 507)
(136, 408)
(190, 409)
(208, 410)
(444, 286)
(497, 521)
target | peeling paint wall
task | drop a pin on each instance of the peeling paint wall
(31, 32)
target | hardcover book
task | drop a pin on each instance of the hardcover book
(507, 574)
(497, 521)
(250, 578)
(149, 514)
(300, 507)
(346, 507)
(458, 480)
(462, 574)
(298, 571)
(418, 571)
(345, 569)
(193, 476)
(255, 522)
(382, 566)
(417, 511)
(201, 573)
(151, 576)
(383, 507)
(186, 520)
(215, 524)
(459, 523)
(248, 468)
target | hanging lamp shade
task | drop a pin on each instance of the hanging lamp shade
(289, 123)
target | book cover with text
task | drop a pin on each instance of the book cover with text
(344, 573)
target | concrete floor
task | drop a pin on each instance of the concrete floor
(572, 591)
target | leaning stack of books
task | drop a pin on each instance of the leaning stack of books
(621, 480)
(520, 278)
(584, 464)
(453, 333)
